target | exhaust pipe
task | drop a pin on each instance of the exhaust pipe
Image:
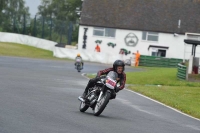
(81, 99)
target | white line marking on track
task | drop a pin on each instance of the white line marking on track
(128, 103)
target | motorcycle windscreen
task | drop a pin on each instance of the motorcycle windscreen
(111, 79)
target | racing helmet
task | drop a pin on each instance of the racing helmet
(118, 63)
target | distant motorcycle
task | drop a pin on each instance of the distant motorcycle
(78, 65)
(98, 97)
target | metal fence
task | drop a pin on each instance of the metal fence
(45, 27)
(153, 61)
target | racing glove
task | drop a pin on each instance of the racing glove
(117, 89)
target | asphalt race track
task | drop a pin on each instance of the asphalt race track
(40, 96)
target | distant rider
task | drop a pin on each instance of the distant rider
(79, 58)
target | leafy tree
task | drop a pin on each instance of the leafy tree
(12, 14)
(60, 13)
(60, 9)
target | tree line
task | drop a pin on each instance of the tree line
(53, 16)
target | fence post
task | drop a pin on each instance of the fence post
(14, 21)
(24, 29)
(61, 32)
(51, 27)
(70, 30)
(34, 27)
(42, 26)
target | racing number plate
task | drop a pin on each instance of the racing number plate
(78, 60)
(111, 82)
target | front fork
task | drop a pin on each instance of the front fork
(102, 91)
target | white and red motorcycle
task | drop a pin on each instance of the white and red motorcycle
(98, 97)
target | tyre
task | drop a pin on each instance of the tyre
(78, 68)
(83, 107)
(99, 107)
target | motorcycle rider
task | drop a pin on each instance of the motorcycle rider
(118, 67)
(79, 57)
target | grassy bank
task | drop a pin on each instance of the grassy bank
(182, 95)
(158, 76)
(183, 98)
(19, 50)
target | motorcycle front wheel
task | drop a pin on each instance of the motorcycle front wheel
(100, 106)
(83, 107)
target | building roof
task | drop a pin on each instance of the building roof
(145, 15)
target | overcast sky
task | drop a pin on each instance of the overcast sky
(33, 6)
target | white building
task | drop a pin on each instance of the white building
(155, 28)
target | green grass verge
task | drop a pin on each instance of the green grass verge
(158, 76)
(19, 50)
(185, 99)
(182, 95)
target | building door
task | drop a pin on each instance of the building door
(161, 53)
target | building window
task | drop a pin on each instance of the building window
(98, 31)
(150, 36)
(154, 53)
(107, 32)
(159, 53)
